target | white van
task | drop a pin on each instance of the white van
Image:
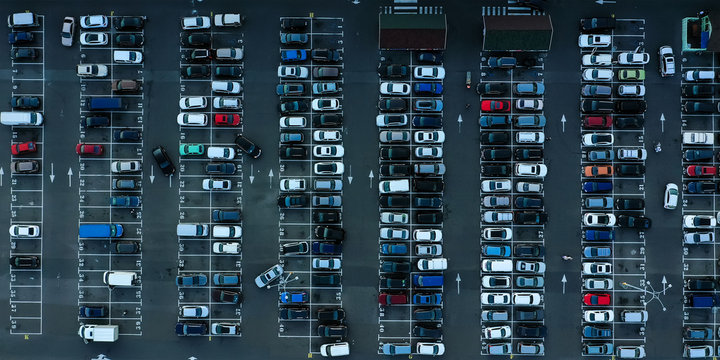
(99, 333)
(20, 118)
(186, 229)
(119, 278)
(497, 265)
(336, 349)
(22, 20)
(634, 316)
(699, 75)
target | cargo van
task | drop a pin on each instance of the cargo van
(99, 333)
(335, 349)
(22, 20)
(20, 118)
(701, 300)
(428, 280)
(100, 230)
(634, 316)
(105, 103)
(185, 229)
(119, 278)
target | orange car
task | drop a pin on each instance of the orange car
(598, 170)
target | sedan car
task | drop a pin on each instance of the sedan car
(391, 88)
(591, 40)
(195, 22)
(429, 72)
(68, 31)
(326, 104)
(429, 137)
(495, 105)
(597, 75)
(89, 149)
(93, 38)
(699, 221)
(599, 219)
(125, 166)
(94, 22)
(216, 184)
(529, 104)
(671, 196)
(29, 231)
(597, 299)
(628, 58)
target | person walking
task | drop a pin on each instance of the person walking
(567, 258)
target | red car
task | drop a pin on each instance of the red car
(23, 148)
(495, 105)
(391, 299)
(89, 149)
(698, 170)
(597, 121)
(594, 299)
(227, 119)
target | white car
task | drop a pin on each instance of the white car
(498, 332)
(597, 60)
(530, 137)
(93, 22)
(593, 40)
(527, 298)
(598, 284)
(671, 196)
(193, 102)
(293, 185)
(699, 237)
(394, 234)
(632, 352)
(93, 38)
(494, 217)
(528, 187)
(327, 135)
(124, 166)
(328, 151)
(68, 31)
(598, 139)
(226, 87)
(430, 348)
(428, 250)
(127, 57)
(390, 120)
(529, 104)
(529, 169)
(228, 19)
(220, 152)
(390, 88)
(597, 268)
(427, 235)
(325, 104)
(24, 230)
(432, 264)
(429, 72)
(698, 138)
(268, 275)
(329, 168)
(430, 137)
(92, 70)
(216, 184)
(490, 298)
(494, 265)
(393, 218)
(193, 311)
(496, 282)
(699, 221)
(598, 316)
(501, 185)
(292, 72)
(225, 102)
(597, 75)
(229, 54)
(293, 121)
(190, 119)
(195, 22)
(637, 154)
(493, 233)
(631, 90)
(428, 152)
(326, 264)
(628, 58)
(227, 231)
(537, 267)
(225, 247)
(667, 61)
(599, 219)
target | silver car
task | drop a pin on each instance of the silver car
(268, 275)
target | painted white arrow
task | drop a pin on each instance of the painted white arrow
(457, 280)
(350, 177)
(460, 120)
(564, 280)
(2, 172)
(270, 175)
(152, 174)
(605, 1)
(662, 122)
(664, 282)
(52, 172)
(371, 176)
(70, 174)
(563, 120)
(252, 171)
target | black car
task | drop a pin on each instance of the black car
(326, 248)
(186, 328)
(199, 55)
(325, 280)
(201, 40)
(23, 54)
(163, 161)
(394, 105)
(525, 331)
(293, 25)
(129, 40)
(295, 248)
(393, 71)
(226, 216)
(427, 122)
(290, 89)
(332, 331)
(628, 122)
(701, 284)
(698, 91)
(292, 152)
(596, 106)
(291, 201)
(427, 201)
(422, 314)
(92, 311)
(130, 23)
(395, 153)
(429, 217)
(220, 168)
(19, 37)
(326, 216)
(698, 107)
(429, 58)
(528, 154)
(395, 267)
(491, 89)
(698, 155)
(496, 154)
(524, 202)
(530, 217)
(529, 314)
(598, 24)
(327, 120)
(331, 315)
(24, 102)
(630, 106)
(629, 170)
(294, 313)
(396, 170)
(248, 146)
(701, 187)
(227, 296)
(495, 170)
(526, 250)
(195, 71)
(427, 331)
(295, 106)
(494, 138)
(428, 185)
(24, 262)
(326, 55)
(127, 135)
(233, 72)
(96, 121)
(629, 204)
(632, 221)
(329, 233)
(125, 247)
(394, 283)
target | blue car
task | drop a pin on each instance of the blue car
(326, 248)
(125, 201)
(289, 38)
(601, 155)
(596, 186)
(394, 249)
(494, 121)
(428, 88)
(596, 332)
(428, 105)
(293, 55)
(226, 279)
(191, 280)
(16, 37)
(294, 297)
(596, 251)
(533, 121)
(599, 235)
(92, 311)
(427, 299)
(497, 250)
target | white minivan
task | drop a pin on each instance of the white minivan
(187, 229)
(20, 118)
(335, 349)
(119, 278)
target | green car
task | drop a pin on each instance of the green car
(192, 149)
(632, 74)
